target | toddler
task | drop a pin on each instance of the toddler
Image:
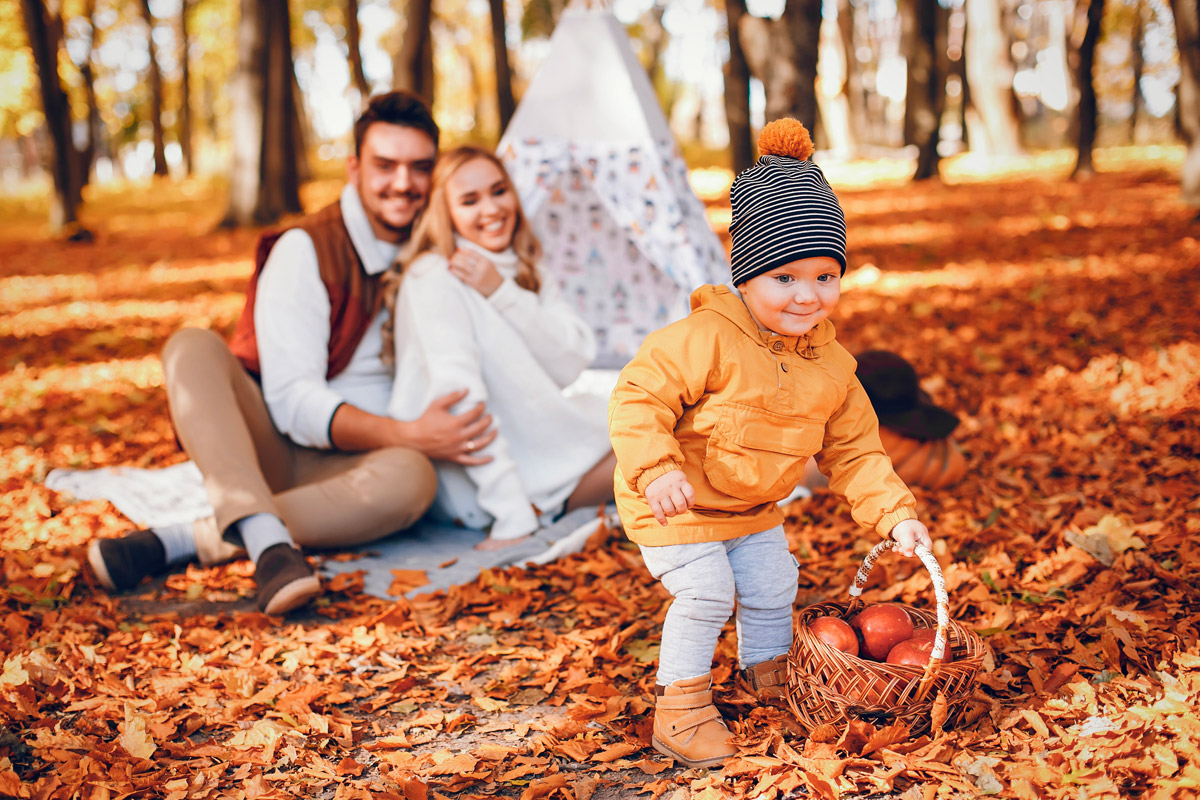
(712, 423)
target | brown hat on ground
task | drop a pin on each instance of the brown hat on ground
(899, 401)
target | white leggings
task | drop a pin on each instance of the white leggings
(758, 571)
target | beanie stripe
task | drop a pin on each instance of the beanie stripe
(783, 210)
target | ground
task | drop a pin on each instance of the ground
(1059, 319)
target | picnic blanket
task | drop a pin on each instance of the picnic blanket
(445, 554)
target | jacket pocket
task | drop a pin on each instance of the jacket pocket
(757, 455)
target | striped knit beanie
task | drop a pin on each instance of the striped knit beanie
(783, 208)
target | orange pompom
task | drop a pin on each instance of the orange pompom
(785, 137)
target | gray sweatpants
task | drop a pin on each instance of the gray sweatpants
(758, 571)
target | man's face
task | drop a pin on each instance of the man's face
(393, 172)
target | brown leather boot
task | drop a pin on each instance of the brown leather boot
(767, 681)
(687, 726)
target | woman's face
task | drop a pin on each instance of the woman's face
(483, 207)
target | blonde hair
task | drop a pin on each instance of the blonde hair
(434, 233)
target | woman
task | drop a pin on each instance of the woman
(469, 310)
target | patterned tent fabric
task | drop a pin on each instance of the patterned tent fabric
(606, 187)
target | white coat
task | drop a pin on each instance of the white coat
(515, 351)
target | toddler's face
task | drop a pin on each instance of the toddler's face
(792, 299)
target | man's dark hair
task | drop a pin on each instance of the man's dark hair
(398, 107)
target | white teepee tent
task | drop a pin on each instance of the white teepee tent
(605, 187)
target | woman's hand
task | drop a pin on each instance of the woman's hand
(475, 271)
(670, 494)
(909, 533)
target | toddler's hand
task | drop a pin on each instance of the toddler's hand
(909, 533)
(670, 494)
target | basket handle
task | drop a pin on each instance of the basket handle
(939, 591)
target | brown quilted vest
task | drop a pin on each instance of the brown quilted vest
(353, 294)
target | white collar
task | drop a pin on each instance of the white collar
(376, 254)
(505, 258)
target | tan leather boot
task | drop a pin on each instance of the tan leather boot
(767, 681)
(688, 727)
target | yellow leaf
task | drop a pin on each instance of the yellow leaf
(1172, 703)
(134, 736)
(361, 637)
(939, 712)
(428, 719)
(494, 752)
(490, 704)
(1121, 615)
(1118, 532)
(1036, 722)
(14, 672)
(445, 763)
(263, 733)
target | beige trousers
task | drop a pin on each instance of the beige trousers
(326, 498)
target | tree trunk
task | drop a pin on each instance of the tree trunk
(989, 74)
(263, 183)
(737, 92)
(283, 156)
(354, 43)
(924, 43)
(246, 95)
(1087, 92)
(96, 142)
(45, 45)
(1060, 22)
(783, 55)
(185, 89)
(1138, 56)
(958, 68)
(301, 127)
(412, 65)
(504, 90)
(156, 95)
(1187, 33)
(852, 88)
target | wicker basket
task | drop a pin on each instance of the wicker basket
(827, 686)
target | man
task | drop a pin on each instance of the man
(286, 423)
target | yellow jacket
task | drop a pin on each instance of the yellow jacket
(740, 411)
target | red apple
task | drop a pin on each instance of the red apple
(913, 652)
(883, 626)
(835, 633)
(925, 633)
(922, 635)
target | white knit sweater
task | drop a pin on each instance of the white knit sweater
(515, 351)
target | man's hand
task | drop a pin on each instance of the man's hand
(670, 494)
(909, 533)
(475, 271)
(444, 436)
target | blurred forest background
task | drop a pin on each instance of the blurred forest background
(258, 96)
